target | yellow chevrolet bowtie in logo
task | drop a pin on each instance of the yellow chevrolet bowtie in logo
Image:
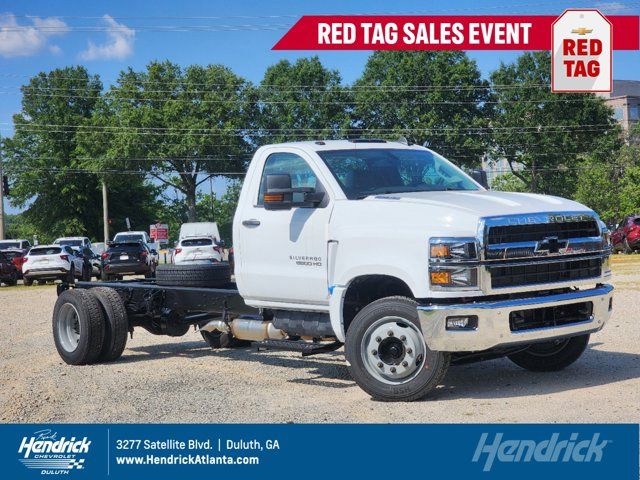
(582, 30)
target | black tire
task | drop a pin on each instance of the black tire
(116, 323)
(13, 281)
(218, 340)
(42, 282)
(551, 356)
(194, 275)
(428, 371)
(27, 281)
(151, 273)
(90, 322)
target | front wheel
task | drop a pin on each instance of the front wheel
(388, 357)
(551, 356)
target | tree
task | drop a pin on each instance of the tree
(433, 97)
(303, 100)
(549, 134)
(609, 185)
(182, 125)
(221, 209)
(49, 174)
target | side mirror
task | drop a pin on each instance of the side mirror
(278, 194)
(153, 252)
(221, 243)
(480, 176)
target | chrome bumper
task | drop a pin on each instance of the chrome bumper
(493, 321)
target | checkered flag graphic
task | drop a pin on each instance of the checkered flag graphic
(78, 464)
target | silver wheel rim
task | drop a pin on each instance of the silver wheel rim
(68, 327)
(393, 350)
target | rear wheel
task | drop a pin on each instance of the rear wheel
(194, 275)
(13, 281)
(551, 356)
(388, 357)
(105, 277)
(116, 323)
(27, 281)
(78, 327)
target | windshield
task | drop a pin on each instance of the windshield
(364, 172)
(70, 243)
(4, 245)
(129, 238)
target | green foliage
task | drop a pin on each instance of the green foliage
(413, 96)
(221, 209)
(44, 159)
(611, 185)
(191, 121)
(303, 100)
(210, 208)
(549, 134)
(508, 183)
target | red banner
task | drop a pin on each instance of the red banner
(420, 32)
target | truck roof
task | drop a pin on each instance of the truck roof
(320, 145)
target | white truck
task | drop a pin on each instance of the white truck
(383, 247)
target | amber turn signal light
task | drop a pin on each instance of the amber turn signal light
(440, 278)
(440, 250)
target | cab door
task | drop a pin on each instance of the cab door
(283, 253)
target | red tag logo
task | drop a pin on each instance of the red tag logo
(581, 47)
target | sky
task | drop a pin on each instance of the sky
(238, 34)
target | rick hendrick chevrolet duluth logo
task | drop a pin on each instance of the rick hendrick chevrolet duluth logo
(53, 455)
(553, 449)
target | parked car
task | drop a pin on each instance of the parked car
(16, 255)
(128, 258)
(19, 244)
(197, 250)
(8, 270)
(626, 235)
(54, 262)
(139, 236)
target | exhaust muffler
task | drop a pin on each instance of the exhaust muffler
(246, 329)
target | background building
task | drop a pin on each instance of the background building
(624, 99)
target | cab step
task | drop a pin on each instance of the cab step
(306, 348)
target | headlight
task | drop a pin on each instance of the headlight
(452, 249)
(454, 276)
(453, 263)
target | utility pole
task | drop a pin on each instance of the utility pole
(105, 210)
(1, 197)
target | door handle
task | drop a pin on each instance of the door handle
(251, 222)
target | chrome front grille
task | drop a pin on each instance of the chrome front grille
(545, 248)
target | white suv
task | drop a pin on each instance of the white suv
(54, 262)
(197, 250)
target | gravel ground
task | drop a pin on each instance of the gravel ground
(162, 379)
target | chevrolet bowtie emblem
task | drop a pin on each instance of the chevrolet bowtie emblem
(582, 30)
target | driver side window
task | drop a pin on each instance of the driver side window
(292, 164)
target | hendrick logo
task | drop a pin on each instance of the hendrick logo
(551, 450)
(53, 455)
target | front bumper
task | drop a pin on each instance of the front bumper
(493, 328)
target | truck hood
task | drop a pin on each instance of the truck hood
(483, 203)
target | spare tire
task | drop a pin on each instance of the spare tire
(194, 275)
